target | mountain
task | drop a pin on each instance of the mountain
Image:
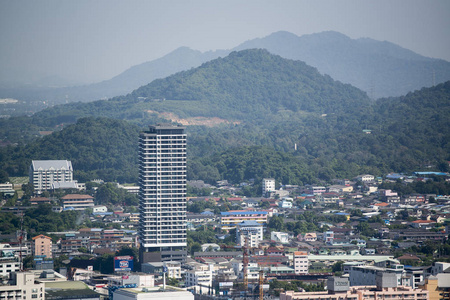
(381, 69)
(255, 81)
(178, 60)
(250, 85)
(261, 104)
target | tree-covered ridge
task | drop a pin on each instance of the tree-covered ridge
(248, 86)
(407, 133)
(418, 122)
(253, 83)
(98, 148)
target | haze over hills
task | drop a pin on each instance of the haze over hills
(382, 69)
(267, 104)
(246, 85)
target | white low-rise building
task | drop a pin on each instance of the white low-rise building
(268, 185)
(249, 233)
(281, 237)
(153, 293)
(21, 285)
(99, 209)
(367, 275)
(301, 262)
(200, 277)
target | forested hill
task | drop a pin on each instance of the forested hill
(283, 109)
(258, 82)
(246, 86)
(409, 133)
(98, 148)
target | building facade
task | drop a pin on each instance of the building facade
(21, 285)
(77, 201)
(249, 233)
(339, 289)
(230, 219)
(42, 246)
(301, 262)
(201, 277)
(268, 185)
(162, 194)
(43, 173)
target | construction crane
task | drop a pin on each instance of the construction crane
(261, 282)
(245, 264)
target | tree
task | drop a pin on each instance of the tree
(337, 267)
(83, 250)
(195, 247)
(277, 223)
(4, 176)
(364, 229)
(265, 204)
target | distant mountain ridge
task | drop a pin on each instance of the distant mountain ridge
(382, 69)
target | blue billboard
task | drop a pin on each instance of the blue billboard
(123, 263)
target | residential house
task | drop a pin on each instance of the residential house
(77, 201)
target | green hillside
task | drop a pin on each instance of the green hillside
(252, 83)
(291, 123)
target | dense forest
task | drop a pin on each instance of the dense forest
(290, 123)
(40, 219)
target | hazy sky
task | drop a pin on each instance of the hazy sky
(89, 40)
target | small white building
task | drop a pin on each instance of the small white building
(153, 293)
(140, 280)
(285, 203)
(268, 185)
(250, 232)
(281, 237)
(301, 262)
(210, 247)
(318, 190)
(21, 285)
(200, 277)
(99, 209)
(365, 178)
(9, 265)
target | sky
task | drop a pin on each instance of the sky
(85, 41)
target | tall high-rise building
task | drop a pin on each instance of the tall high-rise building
(162, 194)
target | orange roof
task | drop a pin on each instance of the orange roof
(382, 204)
(76, 196)
(41, 236)
(423, 221)
(300, 253)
